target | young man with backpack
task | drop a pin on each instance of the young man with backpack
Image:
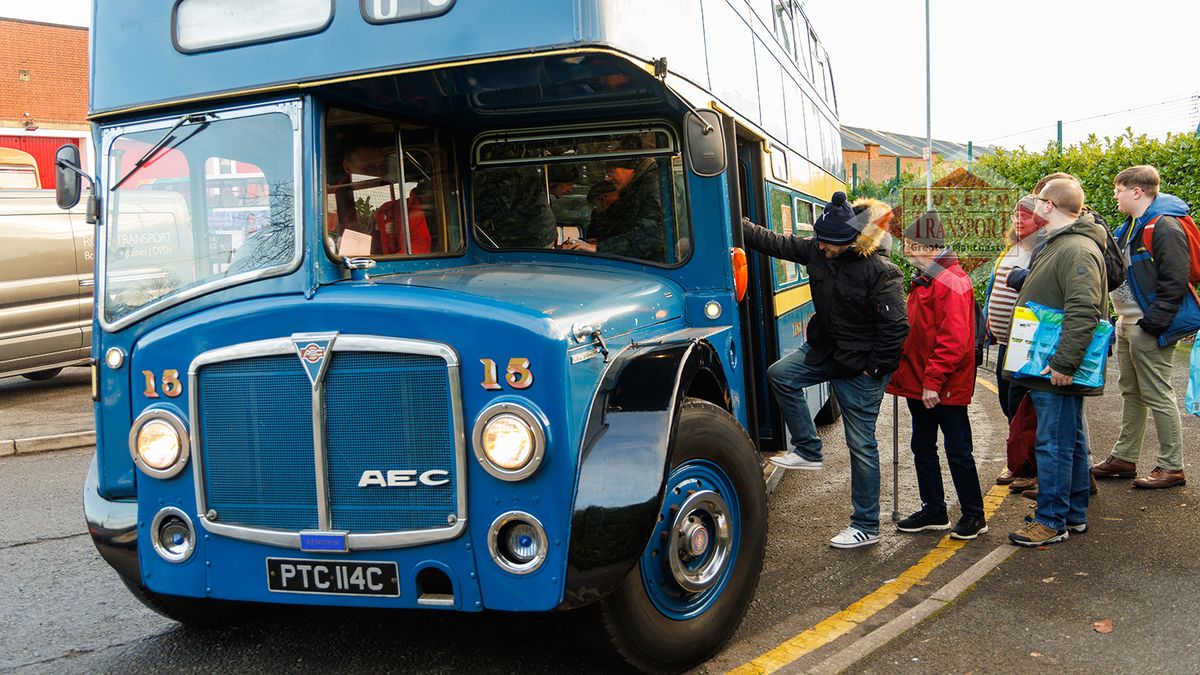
(1155, 307)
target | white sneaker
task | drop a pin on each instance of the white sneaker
(790, 460)
(853, 538)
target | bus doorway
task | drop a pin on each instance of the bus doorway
(757, 314)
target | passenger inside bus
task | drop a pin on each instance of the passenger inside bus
(514, 208)
(371, 174)
(627, 212)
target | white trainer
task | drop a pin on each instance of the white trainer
(853, 538)
(790, 460)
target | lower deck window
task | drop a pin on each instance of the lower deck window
(617, 194)
(390, 189)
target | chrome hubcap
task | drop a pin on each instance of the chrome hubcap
(700, 540)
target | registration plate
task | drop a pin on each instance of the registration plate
(333, 577)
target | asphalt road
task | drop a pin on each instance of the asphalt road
(64, 610)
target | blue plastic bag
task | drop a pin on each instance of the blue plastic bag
(1192, 402)
(1045, 342)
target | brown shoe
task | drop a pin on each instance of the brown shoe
(1005, 477)
(1022, 484)
(1032, 494)
(1037, 534)
(1161, 478)
(1114, 467)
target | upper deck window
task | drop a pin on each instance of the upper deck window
(386, 11)
(213, 24)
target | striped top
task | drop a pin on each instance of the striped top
(1003, 299)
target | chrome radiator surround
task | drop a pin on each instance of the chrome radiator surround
(457, 521)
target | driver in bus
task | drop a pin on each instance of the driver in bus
(370, 165)
(627, 213)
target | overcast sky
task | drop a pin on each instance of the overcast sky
(1006, 67)
(999, 67)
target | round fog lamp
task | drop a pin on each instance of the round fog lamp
(508, 442)
(521, 543)
(172, 535)
(158, 444)
(517, 542)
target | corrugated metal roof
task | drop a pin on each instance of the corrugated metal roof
(904, 145)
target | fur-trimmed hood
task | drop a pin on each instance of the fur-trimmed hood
(875, 217)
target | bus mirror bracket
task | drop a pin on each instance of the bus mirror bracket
(702, 131)
(68, 182)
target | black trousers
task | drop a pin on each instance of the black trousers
(956, 430)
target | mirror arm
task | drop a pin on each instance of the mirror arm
(93, 205)
(660, 71)
(63, 164)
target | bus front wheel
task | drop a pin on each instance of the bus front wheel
(699, 571)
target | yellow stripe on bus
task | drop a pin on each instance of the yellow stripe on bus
(792, 298)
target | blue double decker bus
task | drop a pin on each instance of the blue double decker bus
(442, 303)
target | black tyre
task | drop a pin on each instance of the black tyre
(39, 375)
(200, 613)
(830, 412)
(699, 571)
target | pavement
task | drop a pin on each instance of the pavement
(54, 414)
(1120, 598)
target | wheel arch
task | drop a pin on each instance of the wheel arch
(627, 448)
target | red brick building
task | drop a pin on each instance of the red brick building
(43, 90)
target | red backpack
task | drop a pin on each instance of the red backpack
(1193, 238)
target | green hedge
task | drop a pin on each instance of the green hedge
(1096, 161)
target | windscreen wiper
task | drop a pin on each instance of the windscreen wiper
(162, 142)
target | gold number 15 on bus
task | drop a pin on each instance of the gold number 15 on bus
(171, 385)
(518, 375)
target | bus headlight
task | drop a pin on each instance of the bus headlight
(509, 441)
(158, 443)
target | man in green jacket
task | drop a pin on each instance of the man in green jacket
(1067, 272)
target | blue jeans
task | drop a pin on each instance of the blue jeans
(859, 398)
(1063, 458)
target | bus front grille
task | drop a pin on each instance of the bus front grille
(388, 455)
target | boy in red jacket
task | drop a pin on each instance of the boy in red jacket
(937, 377)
